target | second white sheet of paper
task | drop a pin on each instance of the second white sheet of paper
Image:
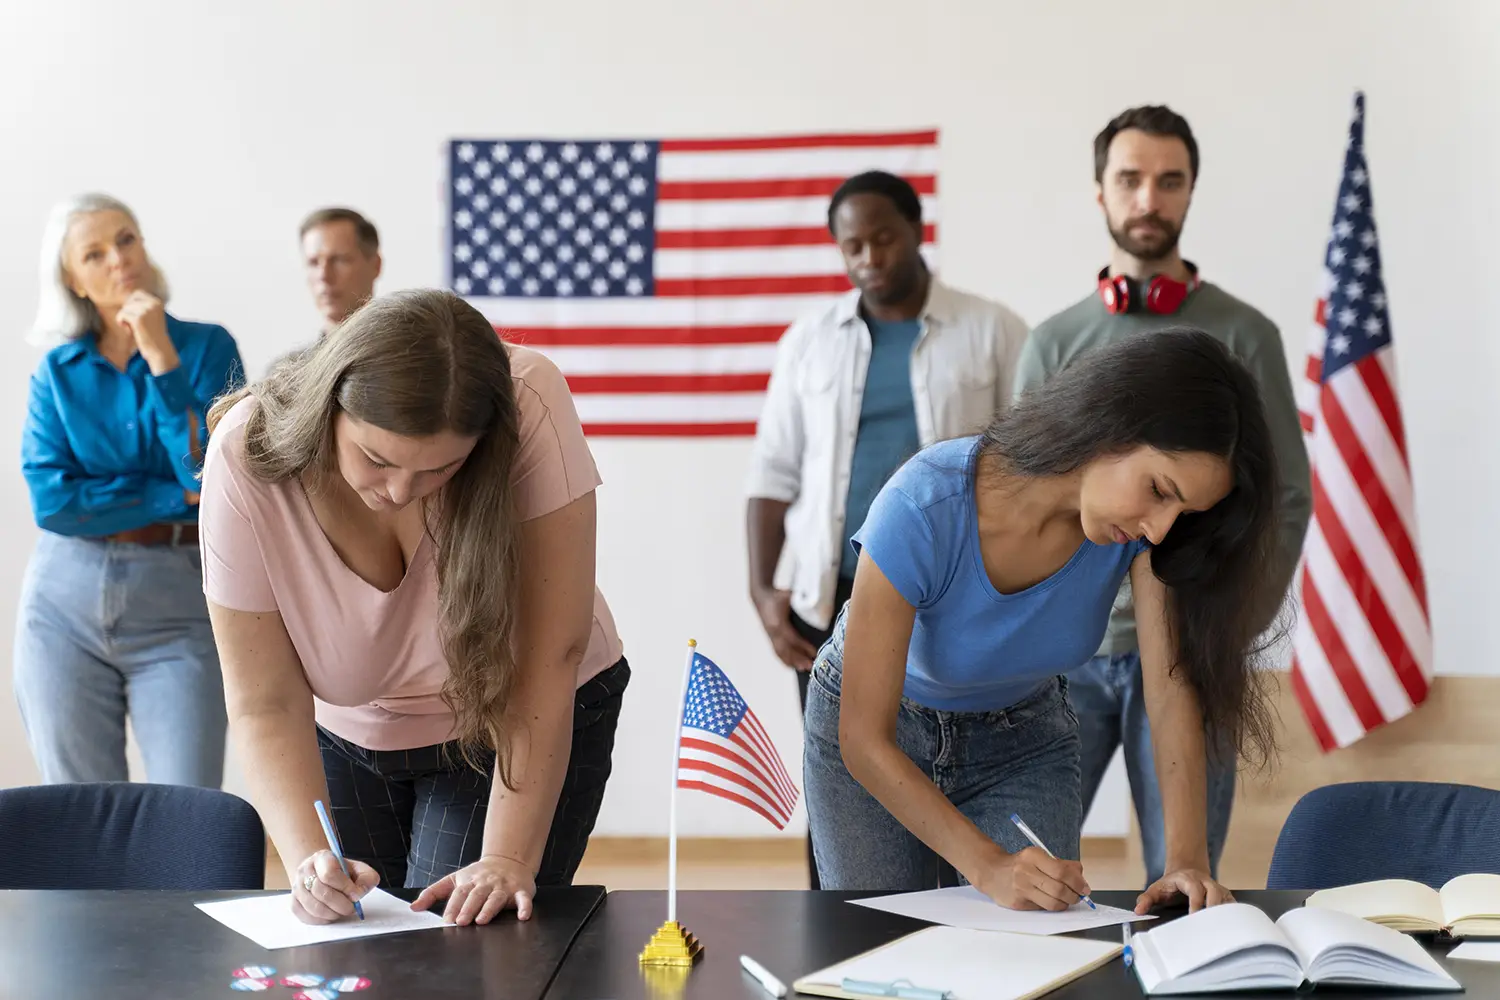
(966, 906)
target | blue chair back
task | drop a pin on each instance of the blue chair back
(1367, 830)
(121, 835)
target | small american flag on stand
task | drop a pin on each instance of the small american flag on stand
(720, 747)
(725, 751)
(1362, 649)
(659, 274)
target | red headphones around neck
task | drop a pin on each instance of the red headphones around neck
(1161, 294)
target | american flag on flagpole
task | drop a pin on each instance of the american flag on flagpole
(658, 274)
(725, 751)
(1362, 651)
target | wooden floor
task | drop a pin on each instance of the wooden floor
(760, 863)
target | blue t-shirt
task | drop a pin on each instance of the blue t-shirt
(887, 424)
(974, 649)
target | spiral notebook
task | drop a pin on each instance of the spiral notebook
(964, 964)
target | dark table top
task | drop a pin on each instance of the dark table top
(793, 933)
(140, 945)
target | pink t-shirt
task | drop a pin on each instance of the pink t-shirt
(373, 659)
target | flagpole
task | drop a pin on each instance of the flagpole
(687, 672)
(673, 946)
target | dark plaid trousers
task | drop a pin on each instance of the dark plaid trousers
(418, 815)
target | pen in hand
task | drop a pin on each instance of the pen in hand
(1037, 842)
(333, 845)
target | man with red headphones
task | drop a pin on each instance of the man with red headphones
(1145, 169)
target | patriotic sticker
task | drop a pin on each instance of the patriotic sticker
(348, 984)
(252, 985)
(302, 979)
(317, 993)
(254, 972)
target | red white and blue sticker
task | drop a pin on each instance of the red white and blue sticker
(334, 988)
(348, 984)
(254, 972)
(252, 985)
(302, 979)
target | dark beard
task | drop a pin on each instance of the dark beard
(1146, 251)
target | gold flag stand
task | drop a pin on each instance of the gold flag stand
(672, 945)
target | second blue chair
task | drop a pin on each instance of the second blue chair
(1367, 830)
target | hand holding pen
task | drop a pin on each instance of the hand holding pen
(327, 886)
(1035, 878)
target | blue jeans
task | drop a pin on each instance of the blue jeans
(1022, 759)
(105, 630)
(1110, 701)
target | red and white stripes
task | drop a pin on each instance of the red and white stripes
(742, 250)
(1363, 646)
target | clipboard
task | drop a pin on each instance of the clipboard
(957, 963)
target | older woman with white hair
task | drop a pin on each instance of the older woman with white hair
(112, 620)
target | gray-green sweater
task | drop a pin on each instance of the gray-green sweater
(1253, 338)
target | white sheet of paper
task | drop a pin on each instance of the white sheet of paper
(268, 920)
(1477, 951)
(966, 906)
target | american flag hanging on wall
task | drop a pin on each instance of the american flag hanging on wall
(1362, 649)
(658, 274)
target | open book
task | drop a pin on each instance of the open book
(1468, 906)
(1236, 947)
(962, 964)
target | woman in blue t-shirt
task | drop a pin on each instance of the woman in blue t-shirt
(987, 569)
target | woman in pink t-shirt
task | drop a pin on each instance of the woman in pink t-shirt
(398, 554)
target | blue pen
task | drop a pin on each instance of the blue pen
(333, 845)
(1038, 843)
(1125, 934)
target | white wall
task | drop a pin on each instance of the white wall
(223, 124)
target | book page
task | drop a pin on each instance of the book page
(972, 965)
(1470, 896)
(268, 920)
(1386, 898)
(1316, 932)
(1334, 946)
(1192, 942)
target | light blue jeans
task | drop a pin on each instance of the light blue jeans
(107, 630)
(1022, 759)
(1110, 702)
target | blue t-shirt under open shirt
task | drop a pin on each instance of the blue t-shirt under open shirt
(887, 433)
(974, 649)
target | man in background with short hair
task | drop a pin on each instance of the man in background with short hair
(1145, 170)
(341, 254)
(901, 361)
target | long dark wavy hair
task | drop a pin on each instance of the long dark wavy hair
(1178, 390)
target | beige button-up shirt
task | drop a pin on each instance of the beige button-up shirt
(962, 368)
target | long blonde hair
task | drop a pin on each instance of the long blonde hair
(417, 363)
